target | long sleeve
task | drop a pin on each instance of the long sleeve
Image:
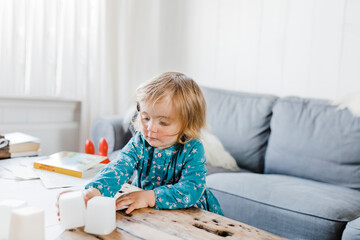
(110, 178)
(191, 185)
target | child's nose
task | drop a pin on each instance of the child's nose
(152, 127)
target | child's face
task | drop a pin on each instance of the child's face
(160, 124)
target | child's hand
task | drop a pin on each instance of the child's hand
(88, 194)
(136, 200)
(57, 202)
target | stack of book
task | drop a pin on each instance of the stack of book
(20, 145)
(4, 147)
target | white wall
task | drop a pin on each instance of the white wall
(55, 122)
(306, 48)
(285, 47)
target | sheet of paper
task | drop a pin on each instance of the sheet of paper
(57, 180)
(6, 174)
(18, 168)
(22, 172)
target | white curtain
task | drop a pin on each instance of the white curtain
(63, 49)
(93, 51)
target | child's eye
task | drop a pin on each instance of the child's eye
(164, 124)
(146, 118)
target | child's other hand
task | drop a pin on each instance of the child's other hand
(136, 200)
(88, 194)
(57, 202)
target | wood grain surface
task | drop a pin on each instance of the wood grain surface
(190, 223)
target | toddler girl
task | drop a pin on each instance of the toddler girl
(165, 151)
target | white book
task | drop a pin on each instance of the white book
(21, 142)
(24, 154)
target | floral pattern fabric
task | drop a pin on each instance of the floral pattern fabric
(176, 174)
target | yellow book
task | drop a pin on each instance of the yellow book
(69, 163)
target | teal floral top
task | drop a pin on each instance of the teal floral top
(176, 174)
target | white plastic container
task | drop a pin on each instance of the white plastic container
(27, 223)
(100, 215)
(72, 210)
(6, 207)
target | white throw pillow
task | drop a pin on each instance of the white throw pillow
(350, 101)
(216, 155)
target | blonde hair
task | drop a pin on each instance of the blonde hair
(187, 98)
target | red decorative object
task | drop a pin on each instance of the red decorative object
(89, 147)
(103, 149)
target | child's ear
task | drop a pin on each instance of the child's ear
(138, 106)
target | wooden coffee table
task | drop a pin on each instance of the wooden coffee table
(191, 223)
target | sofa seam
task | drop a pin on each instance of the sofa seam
(302, 101)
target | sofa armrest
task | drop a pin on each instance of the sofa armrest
(352, 230)
(117, 130)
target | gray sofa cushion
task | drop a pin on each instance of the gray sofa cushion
(241, 122)
(314, 140)
(352, 230)
(287, 206)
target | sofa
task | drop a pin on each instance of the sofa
(299, 162)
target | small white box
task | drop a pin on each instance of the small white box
(27, 223)
(72, 210)
(6, 207)
(100, 215)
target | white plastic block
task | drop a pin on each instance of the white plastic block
(27, 223)
(72, 210)
(6, 207)
(100, 215)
